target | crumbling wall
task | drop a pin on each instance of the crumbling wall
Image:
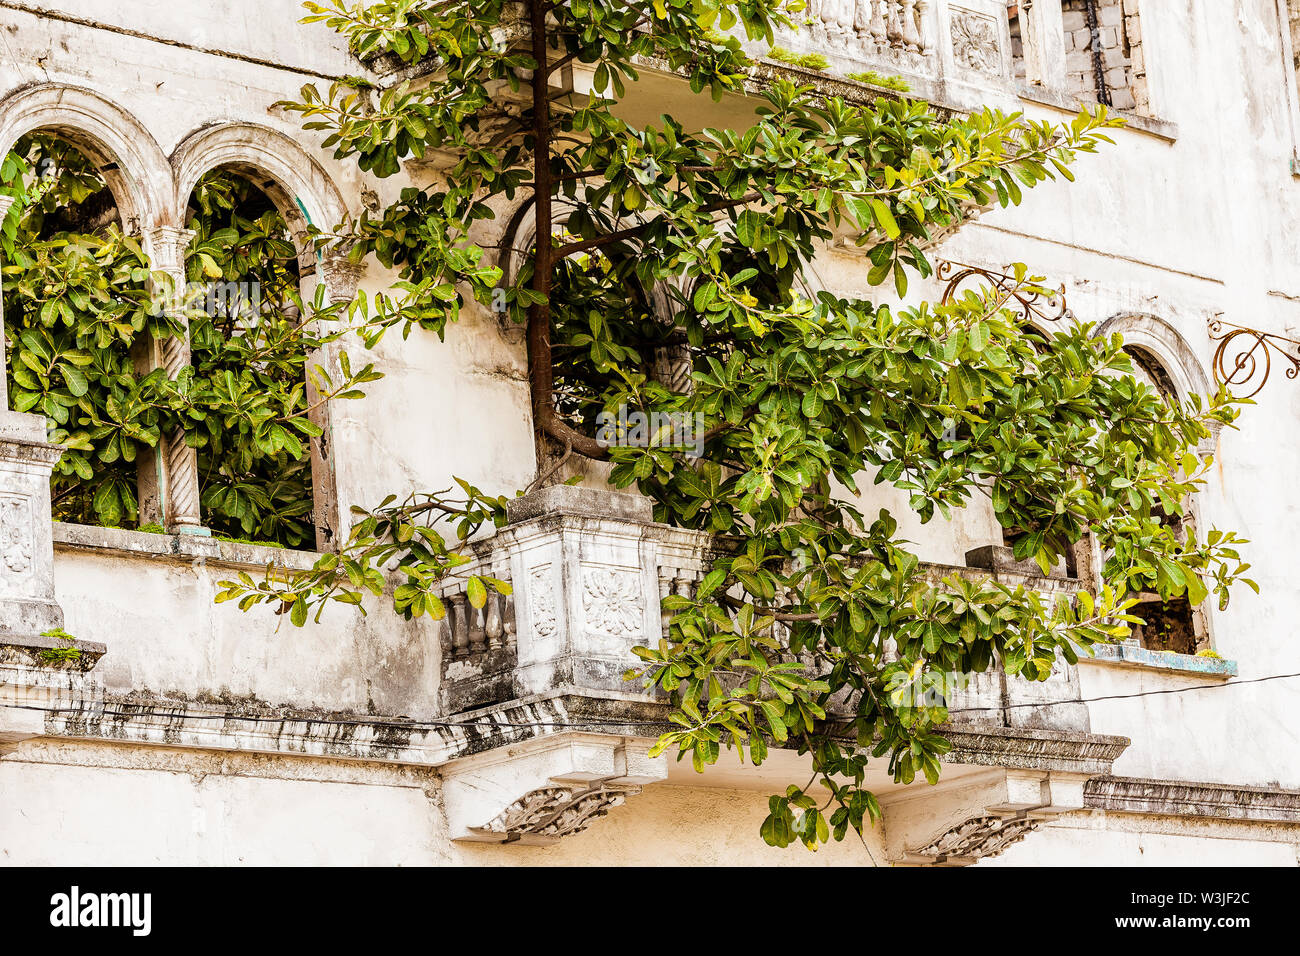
(1117, 43)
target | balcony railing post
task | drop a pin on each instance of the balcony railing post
(28, 608)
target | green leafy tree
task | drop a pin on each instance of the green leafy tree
(665, 240)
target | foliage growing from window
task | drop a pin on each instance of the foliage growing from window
(804, 397)
(80, 304)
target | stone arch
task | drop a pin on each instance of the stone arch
(517, 236)
(1156, 341)
(520, 233)
(133, 165)
(1164, 344)
(305, 196)
(301, 190)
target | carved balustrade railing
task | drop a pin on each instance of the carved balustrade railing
(922, 41)
(479, 644)
(898, 31)
(590, 571)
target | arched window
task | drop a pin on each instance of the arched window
(245, 321)
(102, 279)
(250, 198)
(76, 302)
(1173, 625)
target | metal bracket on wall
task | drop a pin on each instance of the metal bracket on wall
(1036, 303)
(1244, 356)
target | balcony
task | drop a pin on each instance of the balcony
(945, 53)
(964, 55)
(589, 570)
(520, 706)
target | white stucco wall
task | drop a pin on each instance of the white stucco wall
(169, 807)
(1184, 230)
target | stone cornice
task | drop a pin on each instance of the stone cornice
(1216, 801)
(154, 720)
(1034, 749)
(148, 719)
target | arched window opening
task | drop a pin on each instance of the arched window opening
(250, 345)
(76, 302)
(86, 313)
(1173, 625)
(1076, 558)
(601, 312)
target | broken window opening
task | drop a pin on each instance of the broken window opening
(1173, 625)
(1104, 58)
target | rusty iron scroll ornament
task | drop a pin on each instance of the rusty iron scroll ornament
(1036, 303)
(1244, 357)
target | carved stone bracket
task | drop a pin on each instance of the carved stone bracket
(538, 794)
(967, 819)
(974, 839)
(547, 814)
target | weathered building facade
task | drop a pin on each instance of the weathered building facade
(188, 732)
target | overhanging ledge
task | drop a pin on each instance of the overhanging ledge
(1212, 801)
(1064, 751)
(144, 719)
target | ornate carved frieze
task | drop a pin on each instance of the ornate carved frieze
(541, 602)
(16, 533)
(975, 41)
(612, 602)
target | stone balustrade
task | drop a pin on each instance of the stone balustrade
(927, 43)
(590, 571)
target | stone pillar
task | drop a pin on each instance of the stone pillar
(169, 480)
(27, 605)
(585, 572)
(340, 278)
(6, 203)
(1043, 35)
(40, 670)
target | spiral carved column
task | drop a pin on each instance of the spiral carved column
(178, 471)
(340, 276)
(5, 203)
